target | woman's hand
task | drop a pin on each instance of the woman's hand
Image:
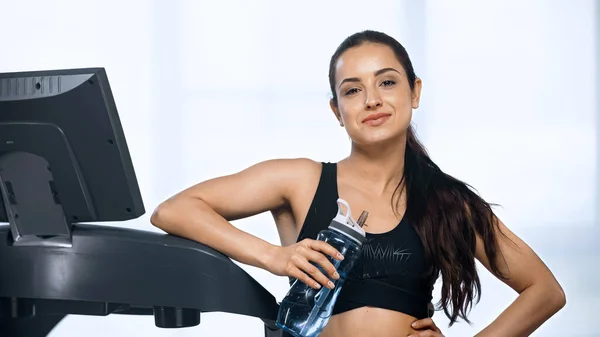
(295, 261)
(426, 328)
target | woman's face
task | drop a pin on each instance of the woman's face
(375, 100)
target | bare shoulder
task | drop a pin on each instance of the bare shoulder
(300, 177)
(293, 170)
(289, 174)
(290, 217)
(265, 186)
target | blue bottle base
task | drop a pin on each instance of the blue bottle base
(293, 319)
(285, 328)
(296, 333)
(300, 319)
(310, 330)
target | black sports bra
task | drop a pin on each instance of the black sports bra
(392, 272)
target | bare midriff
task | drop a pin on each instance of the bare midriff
(369, 322)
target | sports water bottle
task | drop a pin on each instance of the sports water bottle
(305, 311)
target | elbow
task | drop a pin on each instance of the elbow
(173, 215)
(560, 298)
(550, 296)
(555, 297)
(162, 216)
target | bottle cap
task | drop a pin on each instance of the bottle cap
(343, 222)
(362, 219)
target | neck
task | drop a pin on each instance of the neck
(381, 166)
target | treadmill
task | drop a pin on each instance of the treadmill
(65, 167)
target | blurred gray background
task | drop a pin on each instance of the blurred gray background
(206, 88)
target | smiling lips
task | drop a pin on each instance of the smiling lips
(376, 119)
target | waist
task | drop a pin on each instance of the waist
(369, 322)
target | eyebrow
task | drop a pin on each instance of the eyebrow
(377, 73)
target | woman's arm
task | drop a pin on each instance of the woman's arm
(540, 294)
(202, 212)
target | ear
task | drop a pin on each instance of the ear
(416, 93)
(336, 112)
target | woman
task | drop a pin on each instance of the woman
(422, 222)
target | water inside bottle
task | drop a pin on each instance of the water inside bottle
(296, 309)
(305, 313)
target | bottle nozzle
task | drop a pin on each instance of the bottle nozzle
(362, 218)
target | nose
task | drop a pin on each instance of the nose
(373, 101)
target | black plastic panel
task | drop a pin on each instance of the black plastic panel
(111, 270)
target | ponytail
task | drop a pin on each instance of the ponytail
(447, 216)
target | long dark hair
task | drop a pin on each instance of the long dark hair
(447, 213)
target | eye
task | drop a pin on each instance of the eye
(351, 91)
(388, 83)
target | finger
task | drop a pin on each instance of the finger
(322, 261)
(325, 248)
(313, 272)
(426, 323)
(303, 277)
